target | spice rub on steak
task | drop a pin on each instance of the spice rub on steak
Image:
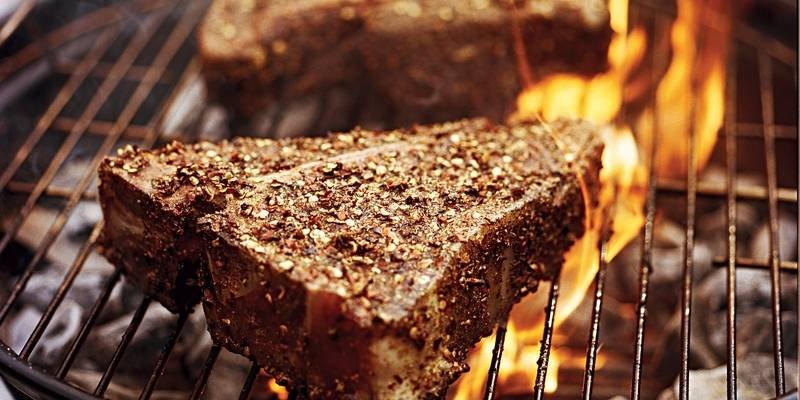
(361, 265)
(424, 60)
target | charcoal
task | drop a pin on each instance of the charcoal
(755, 380)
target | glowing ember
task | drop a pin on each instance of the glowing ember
(277, 390)
(695, 78)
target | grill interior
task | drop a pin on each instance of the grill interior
(126, 73)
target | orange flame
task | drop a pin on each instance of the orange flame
(691, 93)
(597, 99)
(693, 76)
(277, 390)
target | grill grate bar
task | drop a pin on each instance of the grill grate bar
(593, 341)
(62, 98)
(177, 37)
(688, 262)
(59, 192)
(126, 59)
(547, 340)
(94, 314)
(713, 190)
(130, 331)
(597, 309)
(691, 209)
(104, 128)
(46, 120)
(756, 131)
(103, 69)
(88, 23)
(48, 240)
(739, 29)
(645, 269)
(161, 363)
(103, 299)
(497, 355)
(74, 270)
(659, 62)
(745, 262)
(730, 183)
(765, 79)
(148, 134)
(247, 387)
(200, 385)
(16, 19)
(163, 356)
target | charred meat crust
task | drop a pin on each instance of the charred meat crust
(363, 265)
(427, 60)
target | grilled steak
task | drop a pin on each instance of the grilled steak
(362, 265)
(428, 60)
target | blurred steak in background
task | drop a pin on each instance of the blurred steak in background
(425, 61)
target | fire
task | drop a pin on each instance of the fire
(597, 99)
(277, 390)
(695, 78)
(697, 68)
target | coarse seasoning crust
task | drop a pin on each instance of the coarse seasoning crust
(360, 265)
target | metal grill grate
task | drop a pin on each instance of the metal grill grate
(164, 28)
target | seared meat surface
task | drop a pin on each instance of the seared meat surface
(360, 265)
